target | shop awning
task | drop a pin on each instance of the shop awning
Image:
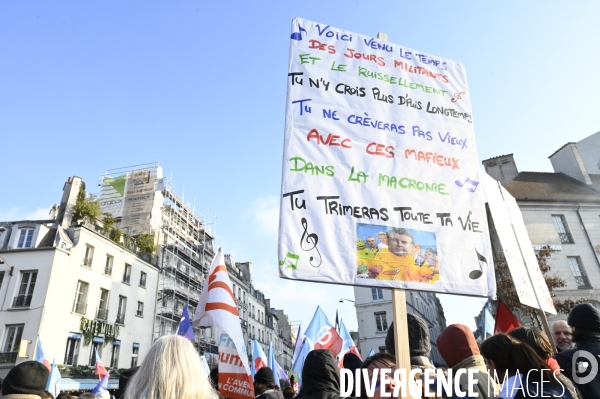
(85, 384)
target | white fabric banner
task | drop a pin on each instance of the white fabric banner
(512, 233)
(380, 170)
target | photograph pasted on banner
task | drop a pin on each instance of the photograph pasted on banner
(380, 175)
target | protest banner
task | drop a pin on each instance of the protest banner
(530, 285)
(380, 173)
(234, 383)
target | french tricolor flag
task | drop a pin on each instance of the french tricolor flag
(40, 354)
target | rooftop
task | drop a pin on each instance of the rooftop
(552, 187)
(570, 142)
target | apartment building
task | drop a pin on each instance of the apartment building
(562, 210)
(65, 281)
(374, 313)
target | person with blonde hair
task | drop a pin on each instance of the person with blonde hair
(172, 369)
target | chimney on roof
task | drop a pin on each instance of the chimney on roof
(54, 212)
(502, 168)
(567, 160)
(67, 203)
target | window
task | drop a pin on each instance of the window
(97, 344)
(381, 321)
(114, 355)
(121, 310)
(25, 289)
(108, 266)
(11, 344)
(1, 279)
(103, 305)
(89, 255)
(377, 294)
(80, 303)
(142, 279)
(140, 309)
(25, 238)
(72, 351)
(563, 230)
(127, 274)
(579, 273)
(134, 355)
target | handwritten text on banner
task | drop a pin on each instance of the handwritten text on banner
(380, 170)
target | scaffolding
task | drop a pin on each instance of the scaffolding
(185, 249)
(185, 253)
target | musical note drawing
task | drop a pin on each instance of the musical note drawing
(290, 260)
(470, 189)
(457, 96)
(298, 35)
(312, 239)
(475, 274)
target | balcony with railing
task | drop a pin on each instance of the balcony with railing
(79, 307)
(22, 301)
(582, 281)
(126, 278)
(120, 319)
(70, 360)
(108, 270)
(8, 357)
(102, 314)
(565, 238)
(87, 262)
(139, 313)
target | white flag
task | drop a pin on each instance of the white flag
(217, 307)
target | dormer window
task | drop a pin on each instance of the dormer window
(25, 238)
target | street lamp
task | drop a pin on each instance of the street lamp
(344, 299)
(4, 262)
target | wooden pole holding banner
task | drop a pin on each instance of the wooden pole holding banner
(400, 317)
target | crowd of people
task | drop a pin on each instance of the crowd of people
(521, 364)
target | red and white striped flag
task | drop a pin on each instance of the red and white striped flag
(217, 307)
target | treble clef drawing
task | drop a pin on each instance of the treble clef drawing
(311, 239)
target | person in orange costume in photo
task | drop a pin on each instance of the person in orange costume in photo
(396, 261)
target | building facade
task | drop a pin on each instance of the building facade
(82, 288)
(79, 291)
(375, 314)
(562, 210)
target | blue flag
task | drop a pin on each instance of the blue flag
(54, 380)
(259, 359)
(371, 353)
(102, 385)
(185, 324)
(272, 362)
(298, 346)
(307, 346)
